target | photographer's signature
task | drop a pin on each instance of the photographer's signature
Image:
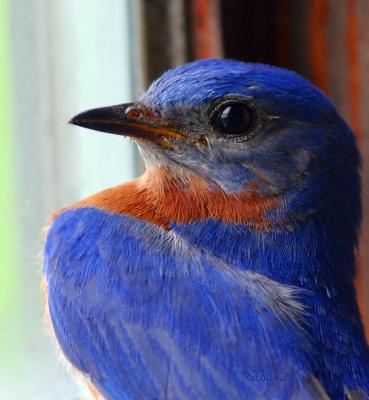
(261, 376)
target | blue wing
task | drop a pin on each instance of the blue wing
(146, 316)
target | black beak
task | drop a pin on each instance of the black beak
(126, 120)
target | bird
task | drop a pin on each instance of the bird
(226, 270)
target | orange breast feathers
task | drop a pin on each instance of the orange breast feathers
(160, 198)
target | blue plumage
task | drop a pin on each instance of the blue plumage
(158, 290)
(182, 328)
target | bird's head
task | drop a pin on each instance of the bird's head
(243, 127)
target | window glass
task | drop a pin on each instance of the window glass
(57, 58)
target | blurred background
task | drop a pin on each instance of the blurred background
(60, 57)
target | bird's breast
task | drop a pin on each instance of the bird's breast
(162, 201)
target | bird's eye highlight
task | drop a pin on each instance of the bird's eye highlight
(232, 119)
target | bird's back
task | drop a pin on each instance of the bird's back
(141, 313)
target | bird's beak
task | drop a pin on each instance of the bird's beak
(128, 120)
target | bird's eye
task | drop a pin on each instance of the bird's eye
(232, 119)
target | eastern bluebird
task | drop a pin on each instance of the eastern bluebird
(226, 270)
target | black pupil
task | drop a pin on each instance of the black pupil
(234, 119)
